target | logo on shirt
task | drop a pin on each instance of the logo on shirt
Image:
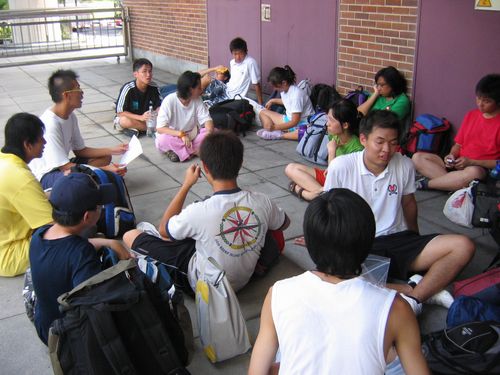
(392, 189)
(135, 105)
(240, 228)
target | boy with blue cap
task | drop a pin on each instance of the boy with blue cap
(60, 257)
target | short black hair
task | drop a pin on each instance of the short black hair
(60, 81)
(489, 87)
(222, 153)
(238, 44)
(379, 119)
(138, 64)
(279, 74)
(339, 229)
(187, 81)
(21, 127)
(394, 78)
(346, 111)
(68, 219)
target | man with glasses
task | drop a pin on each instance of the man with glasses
(63, 134)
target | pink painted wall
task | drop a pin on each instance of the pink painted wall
(457, 45)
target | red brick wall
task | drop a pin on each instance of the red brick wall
(374, 34)
(174, 28)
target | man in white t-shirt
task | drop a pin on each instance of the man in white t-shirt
(244, 71)
(63, 134)
(386, 180)
(230, 226)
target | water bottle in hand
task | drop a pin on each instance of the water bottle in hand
(151, 122)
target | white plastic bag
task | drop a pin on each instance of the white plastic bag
(459, 207)
(223, 331)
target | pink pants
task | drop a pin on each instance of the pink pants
(165, 142)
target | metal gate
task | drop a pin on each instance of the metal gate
(52, 35)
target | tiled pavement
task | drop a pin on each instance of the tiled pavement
(153, 180)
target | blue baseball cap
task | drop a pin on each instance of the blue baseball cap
(78, 192)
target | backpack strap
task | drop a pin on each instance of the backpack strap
(110, 342)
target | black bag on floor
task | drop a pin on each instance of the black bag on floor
(117, 217)
(233, 114)
(486, 201)
(470, 348)
(116, 322)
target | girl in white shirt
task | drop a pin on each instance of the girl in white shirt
(297, 104)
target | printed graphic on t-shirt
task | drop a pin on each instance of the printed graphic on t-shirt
(240, 229)
(392, 189)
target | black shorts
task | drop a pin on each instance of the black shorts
(402, 248)
(176, 254)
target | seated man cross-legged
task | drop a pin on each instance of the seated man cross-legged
(386, 180)
(229, 226)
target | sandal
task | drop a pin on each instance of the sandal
(173, 157)
(292, 189)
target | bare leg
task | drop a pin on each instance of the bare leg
(102, 161)
(443, 258)
(130, 236)
(304, 177)
(129, 123)
(270, 118)
(291, 136)
(455, 180)
(429, 165)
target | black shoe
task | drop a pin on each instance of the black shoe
(172, 156)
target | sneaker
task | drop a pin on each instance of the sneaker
(173, 157)
(422, 183)
(415, 306)
(443, 298)
(414, 280)
(148, 228)
(116, 124)
(270, 135)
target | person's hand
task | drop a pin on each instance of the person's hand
(120, 250)
(269, 104)
(332, 147)
(192, 175)
(462, 162)
(146, 116)
(119, 169)
(449, 161)
(120, 149)
(186, 140)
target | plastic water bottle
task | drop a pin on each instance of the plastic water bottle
(495, 172)
(151, 123)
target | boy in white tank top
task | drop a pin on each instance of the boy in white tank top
(331, 321)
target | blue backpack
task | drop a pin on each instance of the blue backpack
(468, 309)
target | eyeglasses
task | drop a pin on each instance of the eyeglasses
(74, 90)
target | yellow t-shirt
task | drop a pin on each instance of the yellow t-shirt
(23, 207)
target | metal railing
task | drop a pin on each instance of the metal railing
(53, 35)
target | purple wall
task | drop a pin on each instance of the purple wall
(457, 45)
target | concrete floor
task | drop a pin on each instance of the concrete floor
(153, 180)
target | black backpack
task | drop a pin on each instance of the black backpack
(470, 348)
(116, 322)
(233, 114)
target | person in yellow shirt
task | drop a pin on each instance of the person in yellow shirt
(23, 204)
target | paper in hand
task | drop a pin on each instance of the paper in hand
(134, 150)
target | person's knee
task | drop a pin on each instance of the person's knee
(474, 173)
(130, 236)
(462, 249)
(290, 169)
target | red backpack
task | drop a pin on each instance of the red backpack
(428, 134)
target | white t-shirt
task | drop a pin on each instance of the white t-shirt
(242, 75)
(326, 328)
(62, 136)
(175, 115)
(383, 192)
(230, 227)
(296, 100)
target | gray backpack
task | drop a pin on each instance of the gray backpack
(312, 145)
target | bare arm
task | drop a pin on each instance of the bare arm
(266, 345)
(209, 125)
(114, 245)
(410, 211)
(366, 106)
(258, 92)
(402, 331)
(144, 117)
(91, 152)
(175, 206)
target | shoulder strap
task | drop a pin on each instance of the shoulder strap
(110, 342)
